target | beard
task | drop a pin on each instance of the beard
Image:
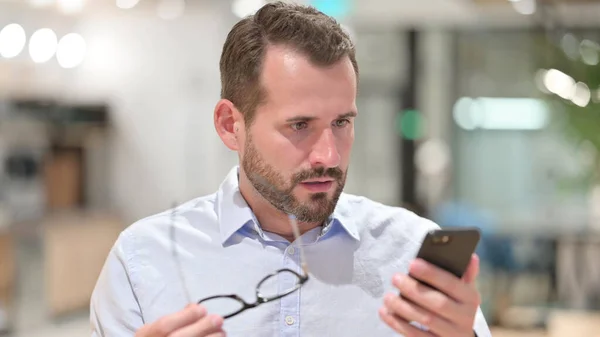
(272, 186)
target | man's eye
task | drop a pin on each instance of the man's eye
(299, 126)
(341, 123)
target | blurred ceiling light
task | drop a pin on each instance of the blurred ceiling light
(462, 113)
(12, 40)
(501, 113)
(243, 8)
(41, 3)
(433, 157)
(126, 4)
(71, 50)
(170, 9)
(581, 95)
(42, 45)
(590, 52)
(559, 83)
(70, 6)
(570, 46)
(540, 75)
(525, 7)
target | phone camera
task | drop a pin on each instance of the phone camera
(440, 240)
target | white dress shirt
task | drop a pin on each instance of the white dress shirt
(219, 248)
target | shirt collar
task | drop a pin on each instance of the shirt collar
(234, 213)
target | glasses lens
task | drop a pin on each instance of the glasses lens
(222, 306)
(279, 285)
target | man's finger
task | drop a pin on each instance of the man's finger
(208, 325)
(428, 298)
(400, 325)
(217, 334)
(472, 270)
(401, 307)
(442, 280)
(170, 323)
(411, 312)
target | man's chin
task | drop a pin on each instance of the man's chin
(310, 198)
(313, 214)
(317, 202)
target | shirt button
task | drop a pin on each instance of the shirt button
(291, 250)
(289, 320)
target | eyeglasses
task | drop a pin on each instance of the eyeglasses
(267, 289)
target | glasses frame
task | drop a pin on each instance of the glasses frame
(260, 299)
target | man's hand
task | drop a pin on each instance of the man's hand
(193, 321)
(448, 311)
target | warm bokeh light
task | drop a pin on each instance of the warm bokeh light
(71, 50)
(42, 45)
(126, 4)
(12, 40)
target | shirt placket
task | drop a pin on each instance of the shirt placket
(290, 305)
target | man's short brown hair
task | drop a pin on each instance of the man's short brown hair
(301, 28)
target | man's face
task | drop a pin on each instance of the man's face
(297, 150)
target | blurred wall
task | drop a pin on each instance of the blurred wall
(161, 81)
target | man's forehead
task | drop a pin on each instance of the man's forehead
(281, 59)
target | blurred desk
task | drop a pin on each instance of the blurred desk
(7, 279)
(501, 332)
(7, 268)
(574, 324)
(75, 248)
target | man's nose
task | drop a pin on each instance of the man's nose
(325, 152)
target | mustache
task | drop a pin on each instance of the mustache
(320, 172)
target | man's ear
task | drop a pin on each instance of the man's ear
(228, 123)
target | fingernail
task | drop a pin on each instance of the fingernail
(217, 321)
(398, 278)
(418, 265)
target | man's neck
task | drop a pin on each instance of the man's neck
(270, 218)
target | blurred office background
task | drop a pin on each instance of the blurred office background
(472, 113)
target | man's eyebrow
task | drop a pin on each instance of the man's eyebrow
(300, 119)
(310, 118)
(350, 114)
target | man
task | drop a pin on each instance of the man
(289, 80)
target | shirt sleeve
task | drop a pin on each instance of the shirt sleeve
(114, 308)
(480, 326)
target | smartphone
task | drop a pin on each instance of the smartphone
(450, 249)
